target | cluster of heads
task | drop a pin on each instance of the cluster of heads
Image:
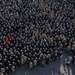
(39, 31)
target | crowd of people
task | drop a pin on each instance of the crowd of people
(35, 32)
